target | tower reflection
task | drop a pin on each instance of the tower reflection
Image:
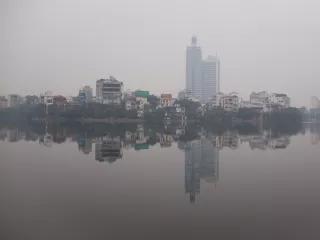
(201, 162)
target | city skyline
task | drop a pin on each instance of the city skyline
(44, 49)
(148, 119)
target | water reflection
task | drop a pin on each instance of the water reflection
(315, 133)
(201, 162)
(108, 149)
(140, 137)
(201, 147)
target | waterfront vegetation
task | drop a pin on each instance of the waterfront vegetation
(216, 118)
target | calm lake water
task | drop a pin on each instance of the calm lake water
(146, 183)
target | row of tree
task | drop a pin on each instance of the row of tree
(215, 117)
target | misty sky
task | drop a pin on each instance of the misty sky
(62, 45)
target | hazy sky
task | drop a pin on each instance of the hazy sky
(62, 45)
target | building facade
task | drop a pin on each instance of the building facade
(259, 98)
(166, 100)
(193, 69)
(46, 98)
(279, 99)
(14, 100)
(230, 102)
(202, 76)
(85, 94)
(141, 101)
(210, 78)
(3, 102)
(109, 91)
(315, 103)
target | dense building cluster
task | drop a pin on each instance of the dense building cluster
(258, 100)
(202, 88)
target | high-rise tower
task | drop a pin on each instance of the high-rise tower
(193, 69)
(210, 78)
(202, 76)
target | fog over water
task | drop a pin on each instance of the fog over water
(62, 45)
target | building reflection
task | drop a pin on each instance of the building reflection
(46, 140)
(141, 138)
(315, 134)
(136, 139)
(108, 149)
(201, 163)
(266, 140)
(201, 147)
(85, 144)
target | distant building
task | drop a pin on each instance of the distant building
(315, 103)
(230, 102)
(166, 100)
(175, 115)
(109, 91)
(85, 95)
(130, 103)
(46, 98)
(193, 69)
(216, 100)
(210, 78)
(32, 100)
(249, 104)
(202, 76)
(3, 102)
(269, 102)
(259, 98)
(14, 100)
(141, 101)
(59, 100)
(279, 99)
(142, 95)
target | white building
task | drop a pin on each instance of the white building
(230, 102)
(202, 76)
(46, 98)
(279, 99)
(259, 98)
(109, 91)
(210, 78)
